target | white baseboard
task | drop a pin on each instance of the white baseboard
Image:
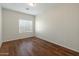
(58, 44)
(16, 38)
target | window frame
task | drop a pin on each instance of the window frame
(25, 27)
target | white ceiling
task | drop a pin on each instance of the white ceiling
(21, 7)
(39, 8)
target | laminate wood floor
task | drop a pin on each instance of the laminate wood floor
(34, 46)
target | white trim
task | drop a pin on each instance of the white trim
(58, 44)
(0, 25)
(16, 38)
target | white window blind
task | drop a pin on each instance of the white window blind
(25, 26)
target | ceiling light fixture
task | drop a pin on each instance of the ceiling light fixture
(27, 8)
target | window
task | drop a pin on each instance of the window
(25, 26)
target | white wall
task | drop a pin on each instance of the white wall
(11, 25)
(0, 25)
(60, 25)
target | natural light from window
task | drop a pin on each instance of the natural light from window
(25, 26)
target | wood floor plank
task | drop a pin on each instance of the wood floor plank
(34, 46)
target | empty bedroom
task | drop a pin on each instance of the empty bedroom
(39, 29)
